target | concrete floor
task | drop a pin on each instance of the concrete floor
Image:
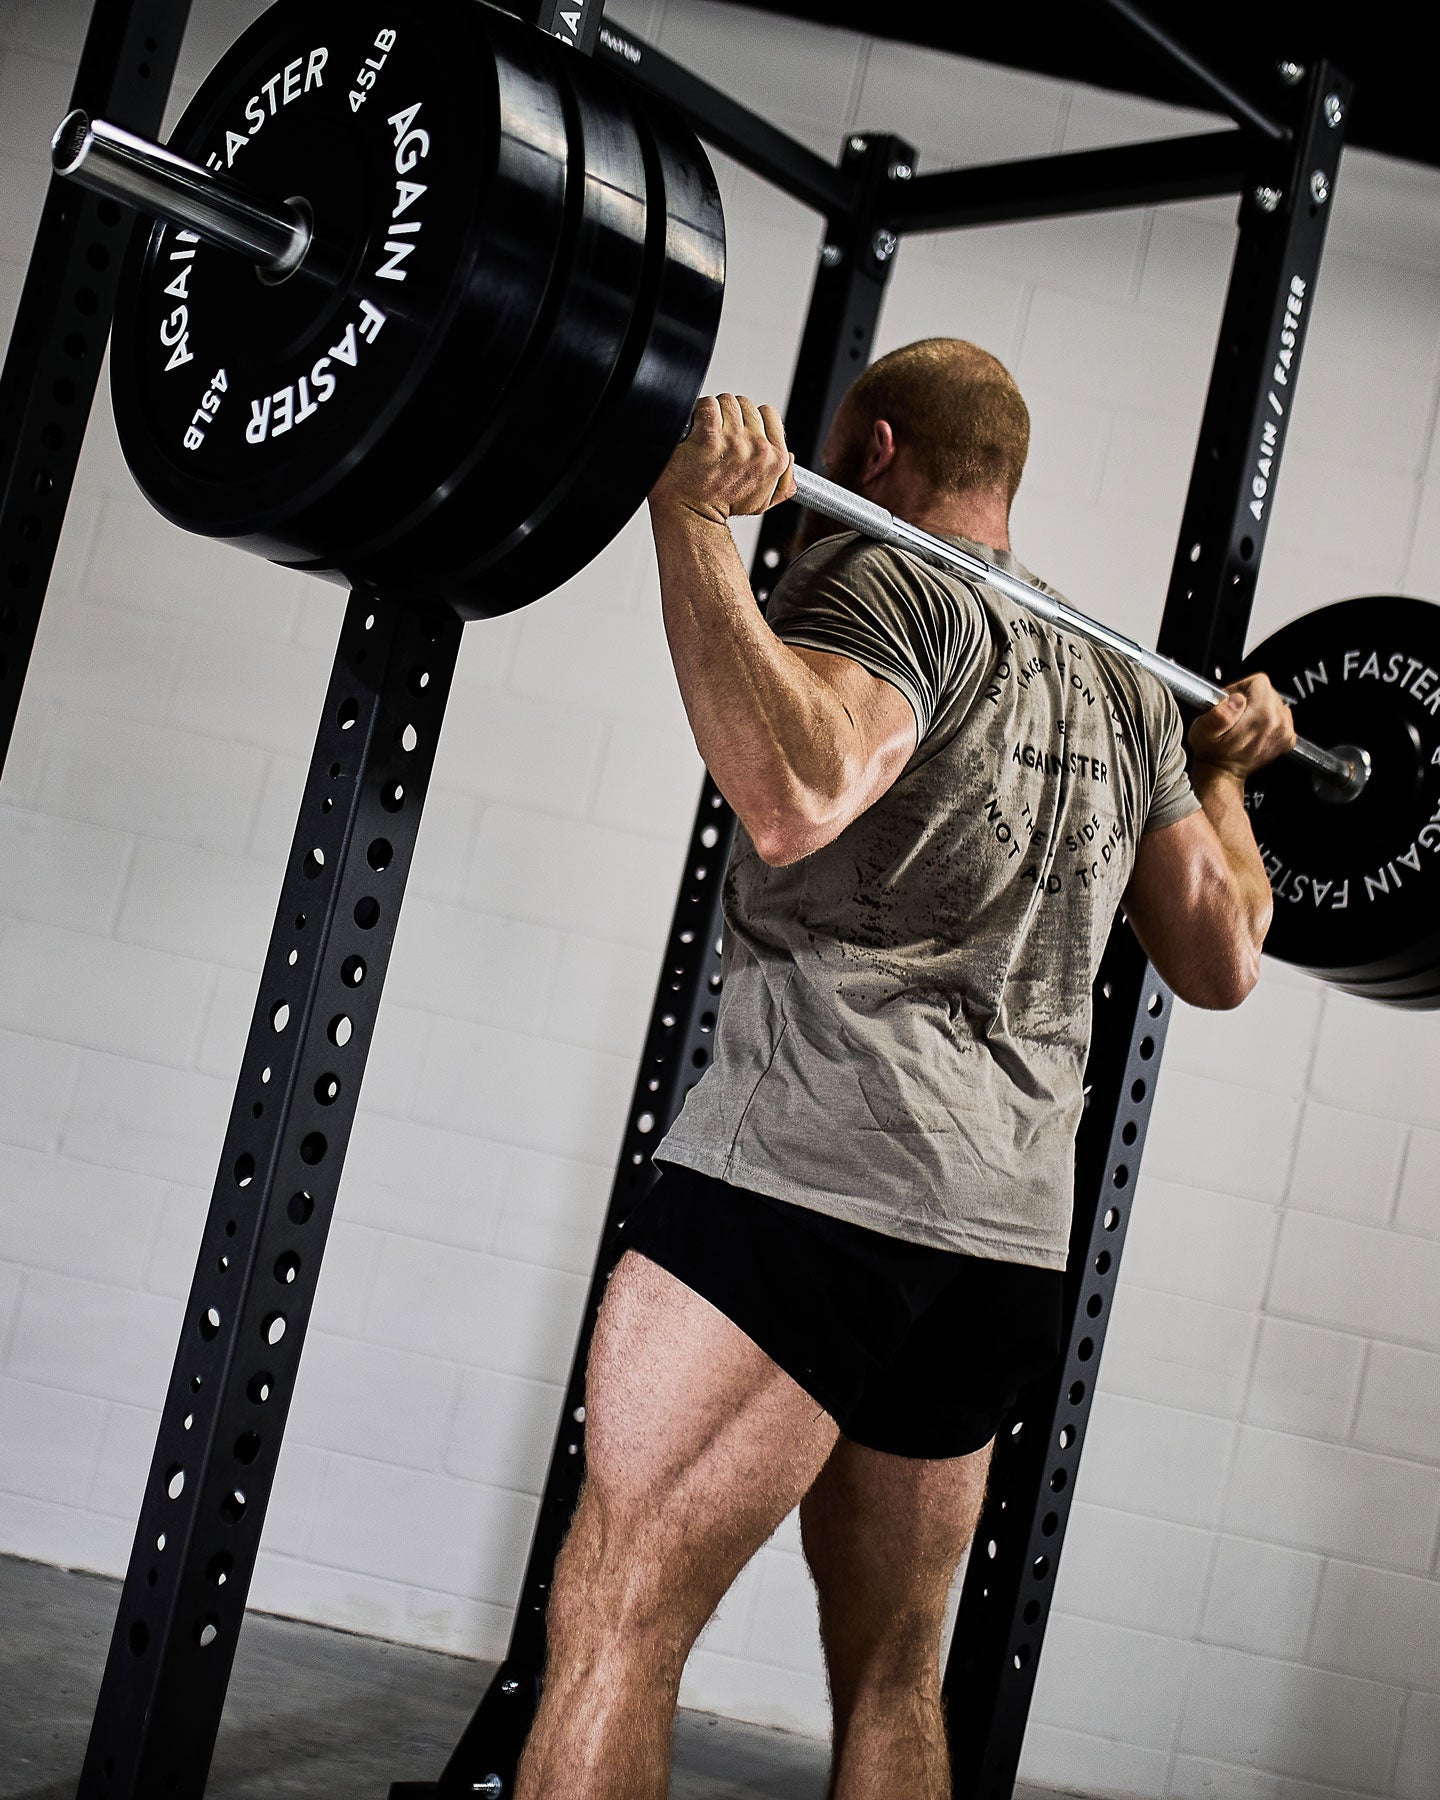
(313, 1714)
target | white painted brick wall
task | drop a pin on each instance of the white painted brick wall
(1248, 1605)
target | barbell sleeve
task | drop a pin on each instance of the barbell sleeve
(1345, 773)
(153, 180)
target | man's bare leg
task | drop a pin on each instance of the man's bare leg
(884, 1536)
(697, 1446)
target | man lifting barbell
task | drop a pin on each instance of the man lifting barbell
(942, 804)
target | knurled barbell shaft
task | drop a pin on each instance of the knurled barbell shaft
(153, 180)
(1346, 774)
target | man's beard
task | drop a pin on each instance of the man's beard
(845, 471)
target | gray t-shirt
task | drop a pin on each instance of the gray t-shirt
(906, 1013)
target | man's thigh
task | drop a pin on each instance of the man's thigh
(697, 1445)
(884, 1534)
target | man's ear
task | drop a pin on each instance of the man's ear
(880, 449)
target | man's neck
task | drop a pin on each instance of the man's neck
(980, 515)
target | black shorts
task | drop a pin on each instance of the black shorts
(911, 1350)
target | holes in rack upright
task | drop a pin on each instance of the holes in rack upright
(327, 1089)
(273, 1329)
(1138, 1091)
(247, 1447)
(313, 1148)
(257, 1390)
(340, 1030)
(1021, 1657)
(174, 1481)
(1085, 1349)
(380, 855)
(367, 913)
(244, 1170)
(392, 796)
(138, 1638)
(314, 864)
(1155, 1006)
(301, 1208)
(287, 1267)
(346, 719)
(1120, 1175)
(280, 1015)
(1102, 1263)
(1077, 1393)
(219, 1569)
(352, 971)
(408, 739)
(1129, 1132)
(232, 1507)
(417, 680)
(210, 1324)
(1147, 1048)
(1112, 1218)
(710, 837)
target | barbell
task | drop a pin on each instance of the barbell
(485, 289)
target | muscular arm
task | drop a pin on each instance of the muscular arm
(1199, 899)
(798, 741)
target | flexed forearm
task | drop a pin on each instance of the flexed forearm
(1221, 792)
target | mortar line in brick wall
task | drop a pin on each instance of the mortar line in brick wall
(128, 866)
(1028, 291)
(746, 1661)
(1427, 452)
(182, 633)
(1062, 119)
(401, 1590)
(1335, 1443)
(1301, 1665)
(1308, 1638)
(159, 1231)
(597, 769)
(98, 1459)
(1400, 1176)
(857, 86)
(1393, 1774)
(1353, 1421)
(1140, 254)
(207, 1015)
(86, 571)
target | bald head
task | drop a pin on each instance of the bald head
(955, 412)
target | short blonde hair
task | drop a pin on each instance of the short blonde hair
(955, 407)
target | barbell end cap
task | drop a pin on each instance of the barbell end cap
(70, 142)
(1340, 793)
